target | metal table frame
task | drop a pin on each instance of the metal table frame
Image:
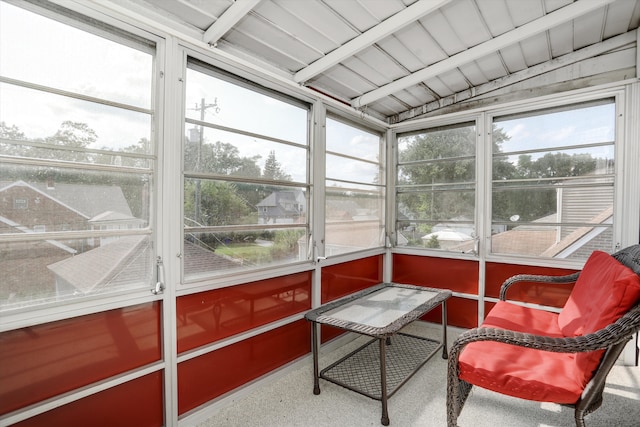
(395, 315)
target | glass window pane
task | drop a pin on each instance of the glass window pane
(229, 153)
(541, 204)
(87, 63)
(207, 253)
(355, 189)
(435, 189)
(76, 176)
(542, 241)
(554, 165)
(564, 128)
(72, 200)
(347, 169)
(458, 141)
(352, 141)
(53, 270)
(439, 205)
(219, 102)
(553, 181)
(354, 218)
(236, 138)
(216, 203)
(438, 172)
(73, 125)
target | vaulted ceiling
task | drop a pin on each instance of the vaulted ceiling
(401, 59)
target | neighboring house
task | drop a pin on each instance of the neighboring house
(548, 241)
(120, 263)
(125, 263)
(27, 207)
(282, 207)
(46, 206)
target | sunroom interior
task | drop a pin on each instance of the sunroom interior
(182, 180)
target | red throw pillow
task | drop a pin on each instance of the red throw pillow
(605, 290)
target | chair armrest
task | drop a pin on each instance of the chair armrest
(571, 278)
(617, 332)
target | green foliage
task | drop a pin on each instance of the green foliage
(273, 170)
(285, 243)
(437, 160)
(219, 203)
(432, 243)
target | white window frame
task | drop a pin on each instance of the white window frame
(50, 312)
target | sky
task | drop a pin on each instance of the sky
(80, 66)
(588, 125)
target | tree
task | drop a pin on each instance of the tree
(273, 170)
(444, 160)
(74, 137)
(537, 202)
(8, 137)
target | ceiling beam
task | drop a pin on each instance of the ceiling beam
(389, 26)
(568, 59)
(228, 19)
(527, 30)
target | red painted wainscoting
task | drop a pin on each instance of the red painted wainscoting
(552, 295)
(206, 377)
(210, 316)
(442, 273)
(453, 274)
(461, 312)
(135, 403)
(342, 279)
(40, 362)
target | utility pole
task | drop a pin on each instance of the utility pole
(202, 107)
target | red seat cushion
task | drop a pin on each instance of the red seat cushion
(604, 291)
(518, 371)
(522, 372)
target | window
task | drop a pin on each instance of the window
(20, 203)
(355, 189)
(553, 181)
(435, 191)
(246, 176)
(76, 153)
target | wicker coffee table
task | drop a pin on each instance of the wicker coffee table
(379, 312)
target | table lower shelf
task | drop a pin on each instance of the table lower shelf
(360, 370)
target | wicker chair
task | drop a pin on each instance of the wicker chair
(609, 340)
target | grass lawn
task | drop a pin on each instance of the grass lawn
(250, 252)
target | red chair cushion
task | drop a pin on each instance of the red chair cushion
(518, 371)
(604, 291)
(522, 372)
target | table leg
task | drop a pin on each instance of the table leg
(314, 350)
(444, 330)
(383, 381)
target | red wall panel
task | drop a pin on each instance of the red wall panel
(346, 278)
(209, 316)
(327, 333)
(208, 376)
(134, 403)
(461, 312)
(552, 295)
(43, 361)
(454, 274)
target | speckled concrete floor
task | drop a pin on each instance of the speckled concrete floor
(289, 402)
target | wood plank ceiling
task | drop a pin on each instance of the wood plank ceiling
(400, 59)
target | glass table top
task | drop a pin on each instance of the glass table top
(382, 307)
